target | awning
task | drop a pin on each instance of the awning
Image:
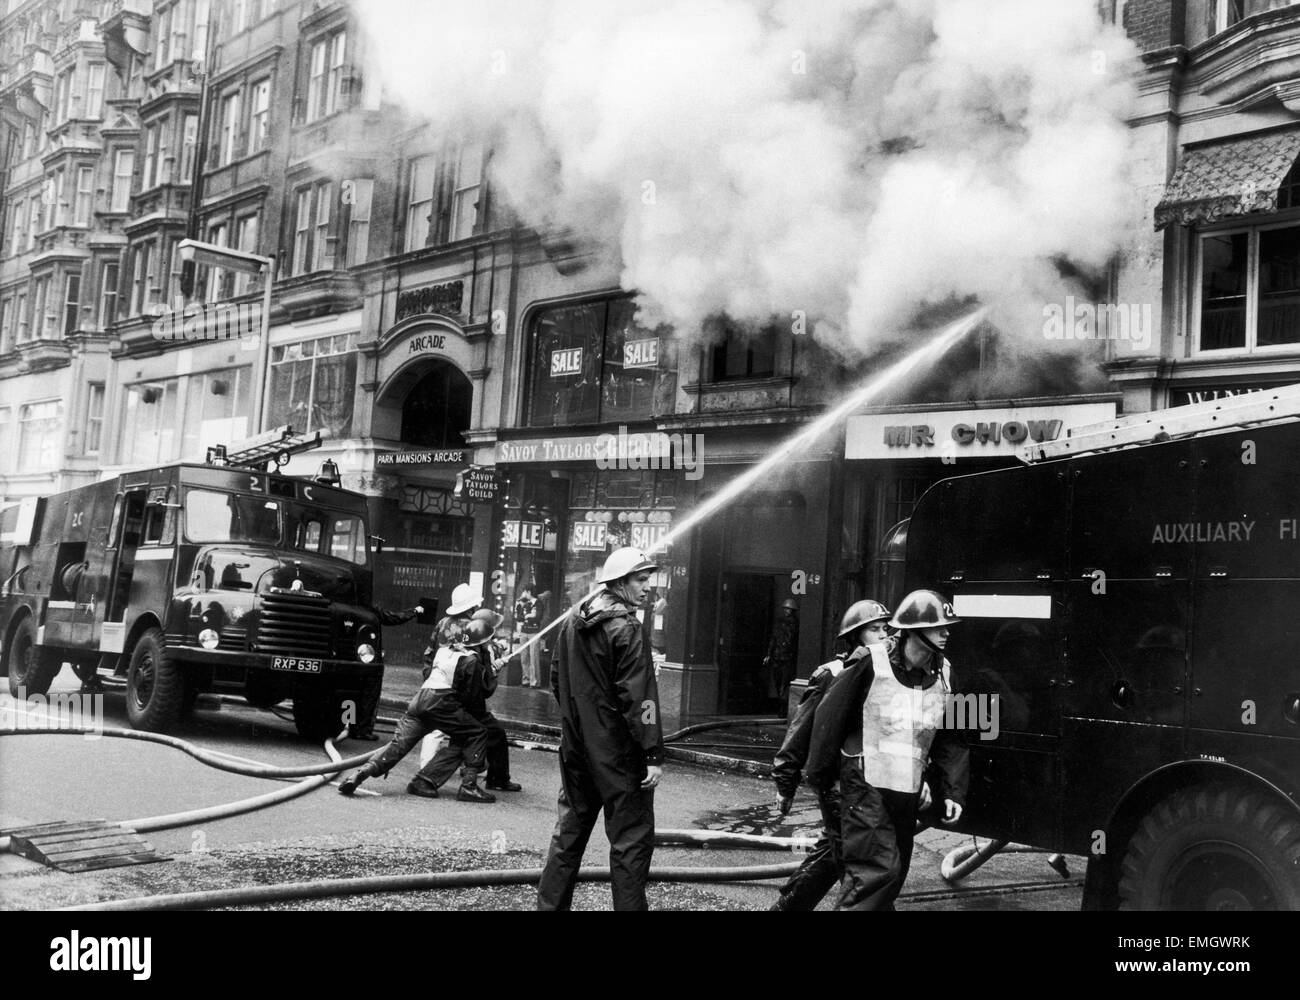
(1230, 178)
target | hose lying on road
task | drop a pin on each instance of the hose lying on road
(212, 758)
(319, 775)
(743, 720)
(725, 839)
(417, 883)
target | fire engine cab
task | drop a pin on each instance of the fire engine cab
(1131, 596)
(188, 578)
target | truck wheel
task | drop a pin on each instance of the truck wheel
(1214, 847)
(318, 717)
(31, 669)
(155, 685)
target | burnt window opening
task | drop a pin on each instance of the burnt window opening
(740, 353)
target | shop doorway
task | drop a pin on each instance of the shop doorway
(748, 608)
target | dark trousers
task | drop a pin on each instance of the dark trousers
(430, 710)
(877, 827)
(444, 762)
(823, 868)
(586, 787)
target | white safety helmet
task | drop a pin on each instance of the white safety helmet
(624, 562)
(464, 598)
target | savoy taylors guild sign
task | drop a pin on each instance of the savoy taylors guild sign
(478, 484)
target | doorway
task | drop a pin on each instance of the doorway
(748, 609)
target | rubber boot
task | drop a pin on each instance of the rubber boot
(349, 784)
(471, 792)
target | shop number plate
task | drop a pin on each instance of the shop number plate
(290, 663)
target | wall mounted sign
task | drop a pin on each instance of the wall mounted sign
(478, 484)
(445, 299)
(996, 431)
(391, 458)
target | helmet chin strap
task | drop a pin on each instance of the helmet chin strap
(920, 635)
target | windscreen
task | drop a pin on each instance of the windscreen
(230, 517)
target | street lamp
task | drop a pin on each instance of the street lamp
(211, 255)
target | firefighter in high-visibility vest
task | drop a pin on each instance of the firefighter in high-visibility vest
(876, 731)
(864, 623)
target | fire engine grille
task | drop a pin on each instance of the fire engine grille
(294, 626)
(234, 638)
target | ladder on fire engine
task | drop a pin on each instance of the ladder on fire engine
(278, 446)
(1218, 416)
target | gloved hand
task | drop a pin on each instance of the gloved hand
(951, 811)
(925, 795)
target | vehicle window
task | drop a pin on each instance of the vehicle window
(348, 540)
(228, 517)
(317, 531)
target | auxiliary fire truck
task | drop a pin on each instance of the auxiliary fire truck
(198, 577)
(1132, 596)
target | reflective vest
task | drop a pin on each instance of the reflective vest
(443, 674)
(898, 725)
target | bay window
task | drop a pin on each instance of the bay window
(1249, 289)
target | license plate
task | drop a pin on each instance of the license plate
(292, 663)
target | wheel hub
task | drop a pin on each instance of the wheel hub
(1218, 875)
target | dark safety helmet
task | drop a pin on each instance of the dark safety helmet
(448, 632)
(862, 613)
(924, 609)
(477, 632)
(489, 616)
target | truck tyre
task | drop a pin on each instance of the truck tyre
(155, 685)
(31, 669)
(318, 716)
(1214, 847)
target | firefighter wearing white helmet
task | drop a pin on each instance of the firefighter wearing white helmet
(611, 742)
(876, 730)
(864, 623)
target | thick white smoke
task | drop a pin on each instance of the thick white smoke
(852, 159)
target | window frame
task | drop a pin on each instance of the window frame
(23, 421)
(122, 182)
(93, 437)
(259, 115)
(1251, 347)
(108, 301)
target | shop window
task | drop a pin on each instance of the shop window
(313, 384)
(593, 363)
(738, 353)
(1249, 289)
(40, 427)
(217, 409)
(437, 410)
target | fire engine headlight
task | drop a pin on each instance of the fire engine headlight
(209, 638)
(366, 653)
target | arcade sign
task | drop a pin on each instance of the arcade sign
(446, 457)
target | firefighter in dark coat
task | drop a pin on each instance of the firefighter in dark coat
(611, 744)
(874, 731)
(477, 682)
(864, 623)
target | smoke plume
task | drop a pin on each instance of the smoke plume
(854, 160)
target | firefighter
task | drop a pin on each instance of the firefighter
(435, 706)
(782, 651)
(874, 731)
(476, 682)
(611, 743)
(865, 622)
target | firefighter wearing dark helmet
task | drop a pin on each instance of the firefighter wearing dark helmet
(875, 731)
(611, 743)
(864, 623)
